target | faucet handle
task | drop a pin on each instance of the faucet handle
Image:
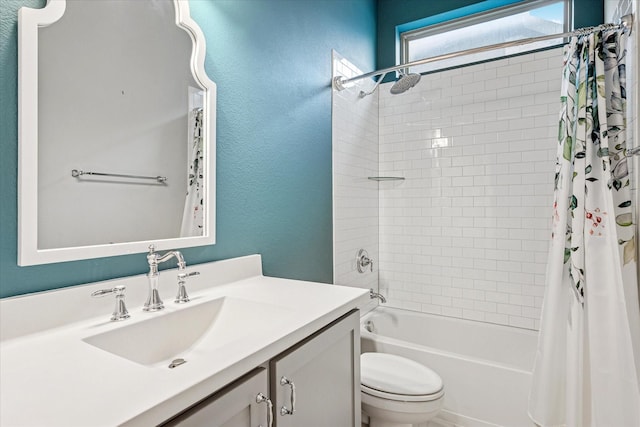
(182, 276)
(120, 312)
(363, 260)
(182, 296)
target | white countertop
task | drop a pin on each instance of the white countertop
(50, 377)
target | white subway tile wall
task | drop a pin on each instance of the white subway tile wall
(466, 234)
(355, 158)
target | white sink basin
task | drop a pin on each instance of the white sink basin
(170, 335)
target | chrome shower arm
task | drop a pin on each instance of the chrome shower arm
(362, 93)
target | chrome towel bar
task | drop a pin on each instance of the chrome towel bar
(77, 173)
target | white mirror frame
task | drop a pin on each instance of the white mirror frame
(29, 20)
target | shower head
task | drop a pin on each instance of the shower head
(404, 83)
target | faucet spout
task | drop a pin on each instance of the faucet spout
(154, 302)
(374, 295)
(153, 259)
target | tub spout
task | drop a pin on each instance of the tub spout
(377, 295)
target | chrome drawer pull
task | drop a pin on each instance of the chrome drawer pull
(261, 398)
(284, 411)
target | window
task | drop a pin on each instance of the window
(512, 22)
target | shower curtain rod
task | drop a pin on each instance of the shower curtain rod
(339, 82)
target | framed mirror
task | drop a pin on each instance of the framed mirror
(116, 130)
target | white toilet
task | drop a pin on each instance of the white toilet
(398, 392)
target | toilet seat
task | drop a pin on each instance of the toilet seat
(397, 378)
(401, 397)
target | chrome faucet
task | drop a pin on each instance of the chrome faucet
(374, 295)
(154, 303)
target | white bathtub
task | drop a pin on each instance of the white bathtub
(486, 368)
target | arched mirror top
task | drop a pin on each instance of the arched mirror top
(103, 106)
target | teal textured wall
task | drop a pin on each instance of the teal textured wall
(271, 61)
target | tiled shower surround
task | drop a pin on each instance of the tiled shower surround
(466, 233)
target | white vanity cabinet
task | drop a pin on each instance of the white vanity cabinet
(315, 383)
(236, 405)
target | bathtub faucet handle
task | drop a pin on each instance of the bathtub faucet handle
(363, 260)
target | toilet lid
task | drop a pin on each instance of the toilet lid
(398, 375)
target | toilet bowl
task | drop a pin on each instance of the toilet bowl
(398, 392)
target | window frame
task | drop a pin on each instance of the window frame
(477, 18)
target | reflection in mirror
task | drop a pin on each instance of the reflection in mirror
(123, 147)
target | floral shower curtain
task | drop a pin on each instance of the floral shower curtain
(192, 217)
(586, 371)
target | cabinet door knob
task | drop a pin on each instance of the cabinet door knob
(284, 411)
(261, 398)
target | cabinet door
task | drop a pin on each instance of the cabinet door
(233, 406)
(324, 370)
